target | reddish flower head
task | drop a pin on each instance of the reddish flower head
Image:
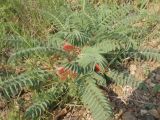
(60, 70)
(97, 68)
(63, 74)
(68, 47)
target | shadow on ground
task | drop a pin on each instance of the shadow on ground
(142, 103)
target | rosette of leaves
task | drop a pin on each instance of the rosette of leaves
(84, 53)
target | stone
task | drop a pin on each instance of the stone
(157, 77)
(143, 112)
(153, 75)
(129, 116)
(155, 113)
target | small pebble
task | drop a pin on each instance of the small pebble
(143, 112)
(157, 77)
